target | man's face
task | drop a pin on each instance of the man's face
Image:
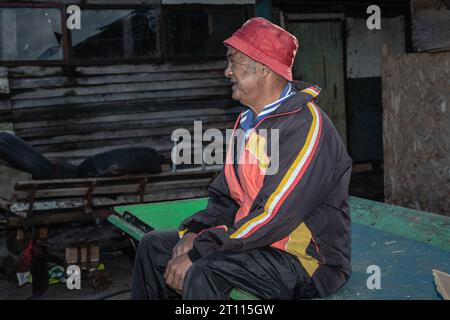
(243, 75)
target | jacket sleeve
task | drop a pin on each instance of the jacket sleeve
(307, 162)
(221, 209)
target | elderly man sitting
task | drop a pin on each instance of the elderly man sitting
(283, 234)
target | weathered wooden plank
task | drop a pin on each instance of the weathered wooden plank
(430, 25)
(67, 81)
(160, 144)
(123, 107)
(5, 126)
(164, 151)
(63, 138)
(27, 184)
(116, 189)
(114, 97)
(118, 69)
(151, 187)
(76, 156)
(160, 131)
(117, 88)
(5, 105)
(149, 141)
(22, 207)
(126, 107)
(131, 117)
(157, 119)
(431, 30)
(120, 134)
(3, 72)
(83, 153)
(4, 86)
(4, 83)
(85, 129)
(31, 71)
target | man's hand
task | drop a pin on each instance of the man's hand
(176, 271)
(184, 245)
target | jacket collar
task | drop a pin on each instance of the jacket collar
(305, 93)
(249, 119)
(294, 96)
(298, 95)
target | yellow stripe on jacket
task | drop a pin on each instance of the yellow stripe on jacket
(288, 179)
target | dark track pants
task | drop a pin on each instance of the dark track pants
(267, 273)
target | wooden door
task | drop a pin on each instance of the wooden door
(320, 60)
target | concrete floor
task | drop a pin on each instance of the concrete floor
(120, 269)
(119, 262)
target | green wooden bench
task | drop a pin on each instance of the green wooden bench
(406, 244)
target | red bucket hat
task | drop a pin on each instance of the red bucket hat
(266, 43)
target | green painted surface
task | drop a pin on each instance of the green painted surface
(166, 215)
(418, 225)
(421, 226)
(426, 228)
(406, 266)
(126, 227)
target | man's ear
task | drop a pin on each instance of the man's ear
(264, 70)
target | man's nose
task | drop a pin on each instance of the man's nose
(228, 73)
